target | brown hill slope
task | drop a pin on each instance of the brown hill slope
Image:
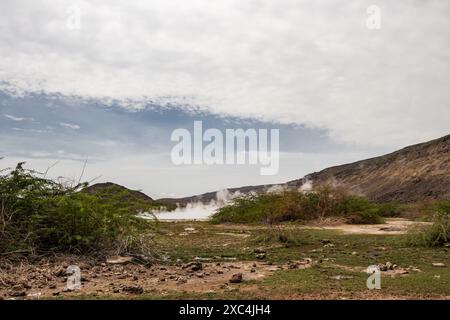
(415, 173)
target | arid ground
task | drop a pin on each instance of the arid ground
(290, 261)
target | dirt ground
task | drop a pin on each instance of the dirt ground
(391, 226)
(229, 261)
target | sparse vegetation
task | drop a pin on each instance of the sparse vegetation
(299, 206)
(41, 215)
(437, 234)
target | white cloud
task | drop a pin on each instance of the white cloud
(69, 125)
(290, 61)
(13, 118)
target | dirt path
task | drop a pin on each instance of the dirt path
(392, 226)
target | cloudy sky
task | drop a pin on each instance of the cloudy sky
(109, 81)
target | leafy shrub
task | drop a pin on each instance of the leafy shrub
(365, 217)
(298, 206)
(38, 214)
(436, 234)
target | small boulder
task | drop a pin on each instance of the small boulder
(193, 266)
(133, 289)
(438, 264)
(119, 260)
(236, 278)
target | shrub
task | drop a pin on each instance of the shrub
(298, 206)
(38, 214)
(436, 234)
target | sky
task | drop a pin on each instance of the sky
(109, 81)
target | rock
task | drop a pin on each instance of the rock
(252, 270)
(372, 269)
(325, 241)
(389, 229)
(52, 286)
(200, 275)
(259, 250)
(133, 289)
(119, 260)
(389, 266)
(17, 293)
(329, 245)
(354, 253)
(438, 264)
(261, 256)
(181, 280)
(236, 278)
(189, 229)
(193, 266)
(61, 272)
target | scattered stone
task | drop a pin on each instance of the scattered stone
(372, 269)
(236, 278)
(192, 266)
(252, 270)
(118, 260)
(17, 293)
(189, 229)
(259, 250)
(261, 256)
(329, 245)
(389, 229)
(60, 272)
(354, 253)
(181, 280)
(133, 289)
(52, 286)
(438, 264)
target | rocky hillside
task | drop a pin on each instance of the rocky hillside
(115, 192)
(415, 173)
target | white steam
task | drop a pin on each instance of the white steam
(198, 210)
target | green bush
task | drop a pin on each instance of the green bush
(298, 206)
(40, 215)
(365, 217)
(436, 234)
